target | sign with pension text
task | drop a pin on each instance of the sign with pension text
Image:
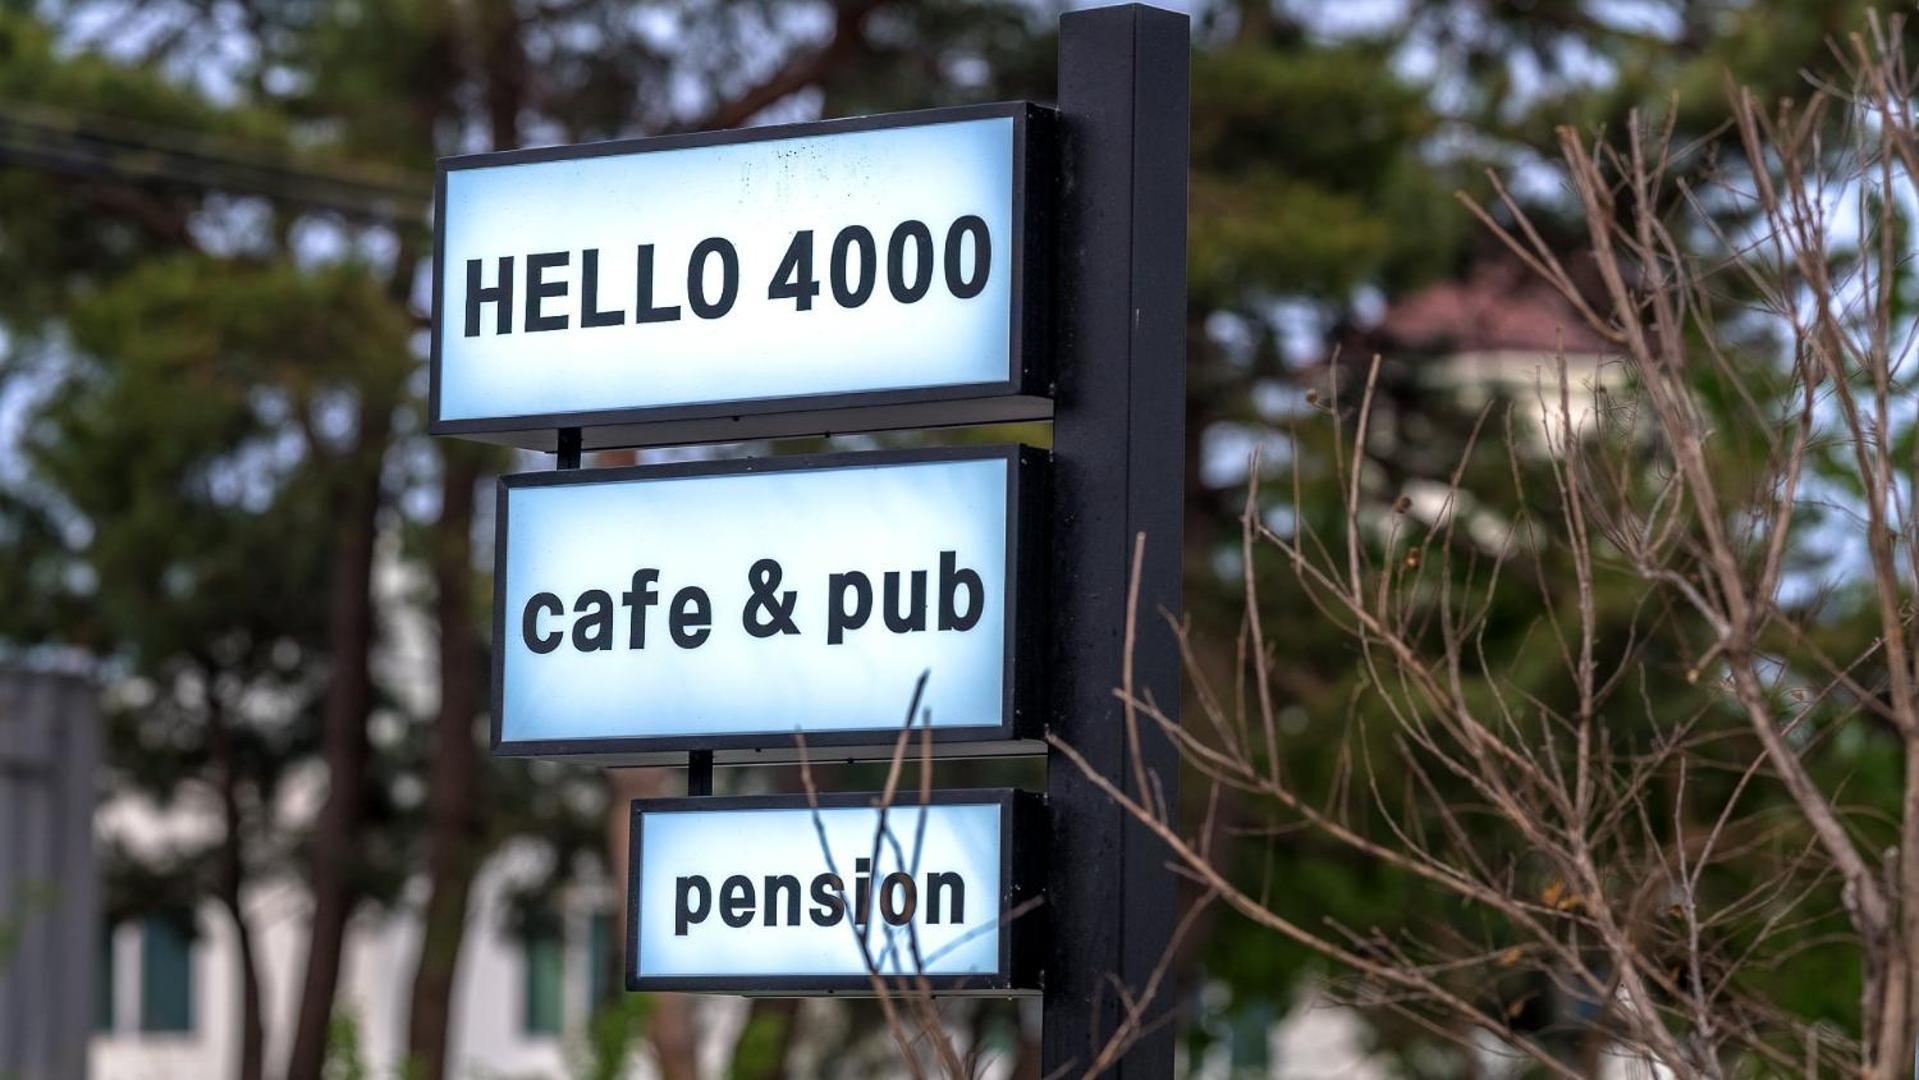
(806, 279)
(732, 606)
(779, 894)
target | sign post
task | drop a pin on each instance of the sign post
(1119, 444)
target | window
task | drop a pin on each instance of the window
(544, 943)
(166, 973)
(602, 961)
(103, 978)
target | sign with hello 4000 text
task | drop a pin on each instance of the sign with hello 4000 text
(878, 272)
(779, 894)
(732, 606)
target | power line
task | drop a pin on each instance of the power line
(71, 143)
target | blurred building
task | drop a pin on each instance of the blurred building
(1497, 333)
(1496, 336)
(168, 1001)
(1501, 332)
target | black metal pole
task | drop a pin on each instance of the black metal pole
(1118, 441)
(567, 449)
(699, 772)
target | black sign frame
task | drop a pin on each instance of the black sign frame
(1022, 875)
(1020, 730)
(1024, 394)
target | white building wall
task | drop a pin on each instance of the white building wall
(487, 1040)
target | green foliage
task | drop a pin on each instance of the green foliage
(362, 59)
(1346, 201)
(344, 1059)
(58, 238)
(1308, 176)
(37, 70)
(759, 1052)
(196, 461)
(611, 1035)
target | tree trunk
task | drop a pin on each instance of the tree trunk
(454, 775)
(784, 1013)
(671, 1029)
(251, 1065)
(232, 874)
(349, 698)
(453, 778)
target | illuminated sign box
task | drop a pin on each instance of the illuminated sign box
(878, 272)
(643, 612)
(765, 894)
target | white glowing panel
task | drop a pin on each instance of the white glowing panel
(658, 274)
(752, 893)
(750, 600)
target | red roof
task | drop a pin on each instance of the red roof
(1501, 305)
